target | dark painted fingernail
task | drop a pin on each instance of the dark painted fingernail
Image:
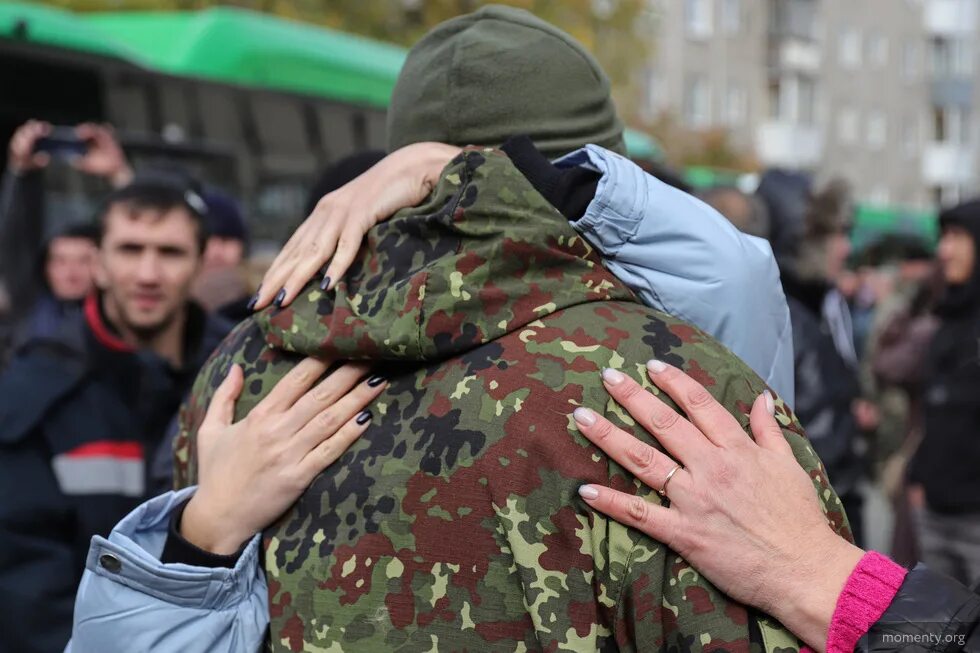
(280, 298)
(252, 302)
(325, 283)
(376, 380)
(364, 417)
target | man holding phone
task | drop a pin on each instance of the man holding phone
(35, 245)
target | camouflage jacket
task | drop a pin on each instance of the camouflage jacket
(454, 523)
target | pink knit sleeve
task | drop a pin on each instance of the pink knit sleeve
(869, 591)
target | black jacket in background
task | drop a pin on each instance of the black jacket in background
(826, 387)
(81, 416)
(947, 463)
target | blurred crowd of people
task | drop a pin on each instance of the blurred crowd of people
(106, 322)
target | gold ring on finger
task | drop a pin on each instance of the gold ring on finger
(663, 490)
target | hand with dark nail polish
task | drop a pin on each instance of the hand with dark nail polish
(325, 284)
(280, 298)
(364, 417)
(376, 380)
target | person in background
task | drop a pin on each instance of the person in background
(68, 272)
(747, 212)
(945, 485)
(222, 286)
(24, 225)
(809, 235)
(85, 409)
(744, 515)
(44, 259)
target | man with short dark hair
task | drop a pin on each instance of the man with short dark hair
(86, 408)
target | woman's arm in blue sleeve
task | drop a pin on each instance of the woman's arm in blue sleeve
(128, 595)
(682, 257)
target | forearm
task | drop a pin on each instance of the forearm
(21, 233)
(682, 257)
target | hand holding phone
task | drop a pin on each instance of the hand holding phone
(61, 143)
(23, 157)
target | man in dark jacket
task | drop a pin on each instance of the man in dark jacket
(809, 235)
(84, 409)
(944, 470)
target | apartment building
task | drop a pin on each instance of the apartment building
(879, 91)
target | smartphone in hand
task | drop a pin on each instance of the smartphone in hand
(62, 143)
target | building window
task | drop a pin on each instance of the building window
(951, 125)
(952, 57)
(877, 130)
(806, 101)
(654, 94)
(878, 50)
(736, 107)
(697, 102)
(910, 137)
(731, 16)
(849, 54)
(697, 18)
(910, 61)
(847, 126)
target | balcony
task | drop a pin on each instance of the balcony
(947, 164)
(952, 91)
(786, 144)
(794, 55)
(950, 17)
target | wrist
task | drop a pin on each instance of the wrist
(211, 530)
(121, 177)
(438, 156)
(807, 597)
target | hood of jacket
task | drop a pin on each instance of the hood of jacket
(483, 256)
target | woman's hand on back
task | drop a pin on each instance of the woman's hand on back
(743, 512)
(250, 472)
(334, 231)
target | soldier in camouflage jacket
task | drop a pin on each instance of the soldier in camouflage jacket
(454, 523)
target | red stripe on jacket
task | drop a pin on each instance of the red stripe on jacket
(108, 449)
(106, 338)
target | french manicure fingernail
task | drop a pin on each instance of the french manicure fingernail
(588, 492)
(364, 417)
(612, 377)
(376, 380)
(280, 298)
(252, 302)
(656, 366)
(584, 416)
(770, 403)
(325, 283)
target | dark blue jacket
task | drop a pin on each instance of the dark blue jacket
(82, 416)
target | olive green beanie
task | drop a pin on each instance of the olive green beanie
(498, 72)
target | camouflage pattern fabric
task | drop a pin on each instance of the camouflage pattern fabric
(454, 524)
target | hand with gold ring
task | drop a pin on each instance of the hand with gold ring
(743, 512)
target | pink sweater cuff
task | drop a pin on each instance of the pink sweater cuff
(869, 591)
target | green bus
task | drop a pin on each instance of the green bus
(253, 103)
